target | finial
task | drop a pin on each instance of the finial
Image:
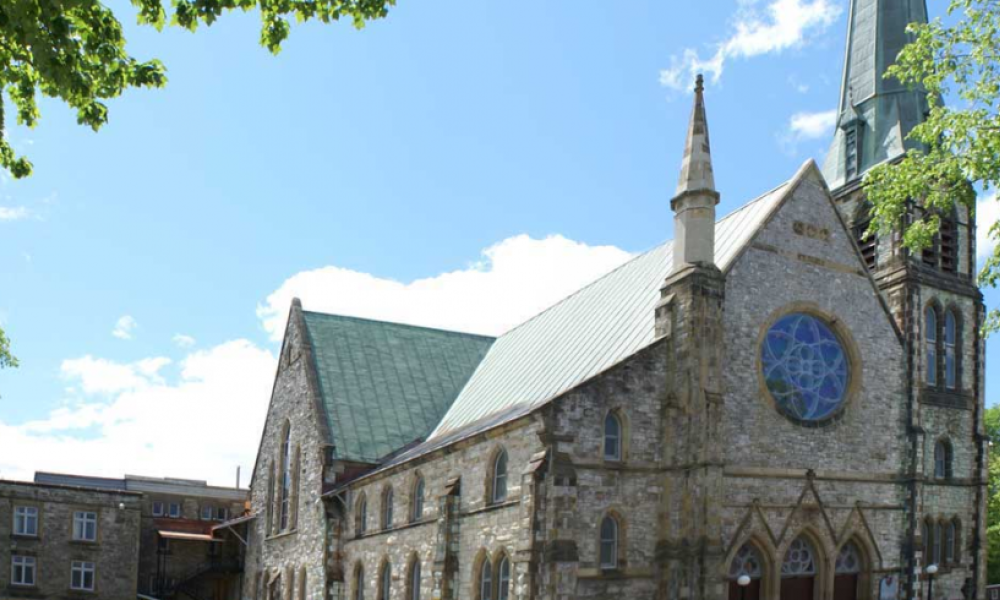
(696, 167)
(699, 84)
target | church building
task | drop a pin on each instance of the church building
(771, 406)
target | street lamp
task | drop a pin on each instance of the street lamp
(743, 581)
(931, 571)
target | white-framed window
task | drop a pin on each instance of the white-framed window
(207, 513)
(175, 510)
(85, 526)
(26, 520)
(221, 513)
(158, 510)
(23, 570)
(82, 576)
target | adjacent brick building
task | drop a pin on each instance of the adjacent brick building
(773, 405)
(61, 541)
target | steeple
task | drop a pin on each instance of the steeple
(694, 204)
(874, 114)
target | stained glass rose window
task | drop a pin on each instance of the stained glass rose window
(805, 367)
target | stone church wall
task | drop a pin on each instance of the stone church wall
(837, 479)
(288, 554)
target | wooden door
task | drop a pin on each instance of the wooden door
(797, 588)
(752, 591)
(845, 586)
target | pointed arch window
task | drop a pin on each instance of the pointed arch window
(609, 543)
(414, 580)
(387, 500)
(848, 560)
(930, 344)
(499, 487)
(612, 437)
(942, 459)
(417, 505)
(286, 478)
(950, 341)
(361, 515)
(800, 560)
(359, 582)
(936, 544)
(486, 580)
(503, 578)
(949, 543)
(385, 582)
(746, 562)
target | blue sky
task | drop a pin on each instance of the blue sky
(492, 155)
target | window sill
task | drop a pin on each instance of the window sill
(25, 537)
(281, 535)
(84, 543)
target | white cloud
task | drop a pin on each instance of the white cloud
(183, 341)
(781, 25)
(13, 213)
(807, 126)
(513, 280)
(987, 213)
(202, 424)
(202, 417)
(124, 327)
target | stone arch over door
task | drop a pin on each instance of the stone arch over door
(852, 571)
(802, 568)
(753, 557)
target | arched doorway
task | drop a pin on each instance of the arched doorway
(798, 571)
(746, 562)
(847, 573)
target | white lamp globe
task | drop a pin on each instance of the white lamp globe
(743, 580)
(932, 569)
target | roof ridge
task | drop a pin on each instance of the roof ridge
(399, 324)
(636, 257)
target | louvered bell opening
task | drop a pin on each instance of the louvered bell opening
(868, 246)
(949, 246)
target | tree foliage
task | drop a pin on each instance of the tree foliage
(992, 423)
(75, 50)
(6, 358)
(960, 140)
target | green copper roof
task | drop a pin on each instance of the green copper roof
(385, 385)
(883, 110)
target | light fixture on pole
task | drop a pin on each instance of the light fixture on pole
(743, 581)
(931, 571)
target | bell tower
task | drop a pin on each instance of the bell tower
(932, 295)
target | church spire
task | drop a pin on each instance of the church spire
(874, 114)
(694, 204)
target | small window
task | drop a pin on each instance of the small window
(850, 153)
(417, 509)
(503, 578)
(26, 521)
(486, 580)
(385, 583)
(950, 338)
(359, 583)
(286, 479)
(207, 513)
(500, 477)
(928, 546)
(23, 570)
(175, 510)
(85, 526)
(158, 509)
(609, 543)
(612, 437)
(937, 544)
(949, 543)
(361, 516)
(82, 576)
(414, 580)
(387, 501)
(942, 460)
(221, 513)
(930, 345)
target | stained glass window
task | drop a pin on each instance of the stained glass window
(799, 560)
(849, 559)
(746, 562)
(805, 367)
